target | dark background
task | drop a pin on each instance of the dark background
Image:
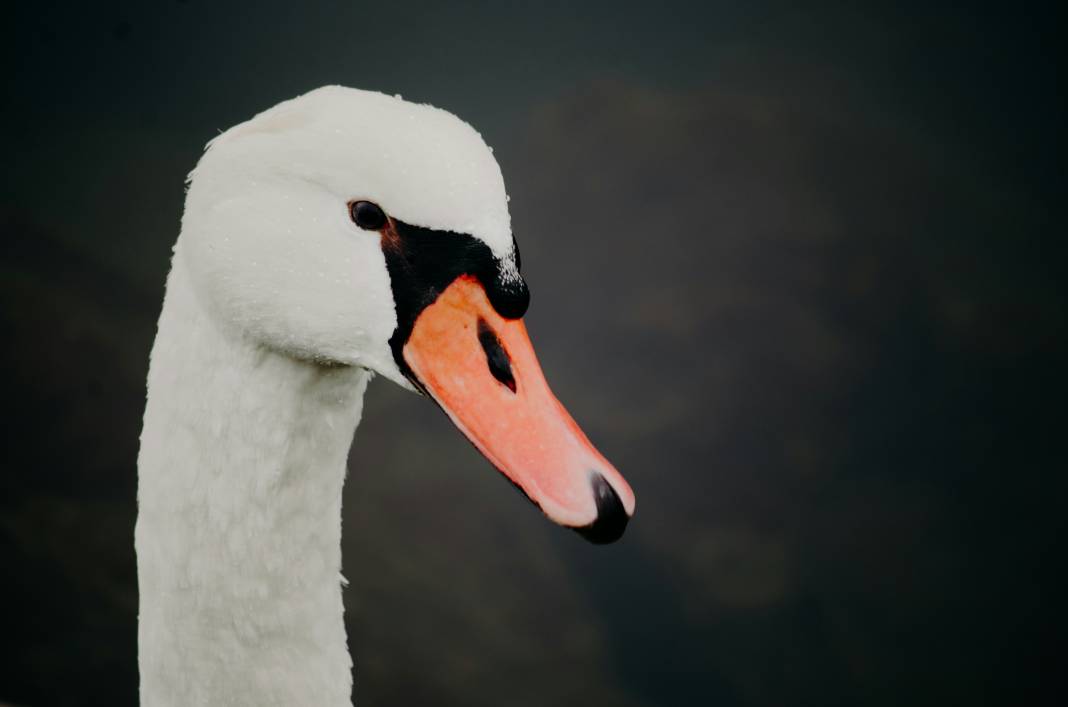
(798, 271)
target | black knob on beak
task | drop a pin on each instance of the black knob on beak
(510, 298)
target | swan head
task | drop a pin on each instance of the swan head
(353, 228)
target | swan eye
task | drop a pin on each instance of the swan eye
(367, 215)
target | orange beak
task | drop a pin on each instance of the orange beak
(481, 369)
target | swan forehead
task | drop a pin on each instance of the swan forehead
(423, 165)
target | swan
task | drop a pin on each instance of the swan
(337, 235)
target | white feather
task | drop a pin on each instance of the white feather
(249, 416)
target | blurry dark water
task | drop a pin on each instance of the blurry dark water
(800, 274)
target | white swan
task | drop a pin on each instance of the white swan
(335, 235)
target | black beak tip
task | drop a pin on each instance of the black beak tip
(611, 516)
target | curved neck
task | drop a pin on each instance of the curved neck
(238, 535)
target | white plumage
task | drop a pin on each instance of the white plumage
(245, 436)
(278, 311)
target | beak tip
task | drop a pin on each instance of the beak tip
(611, 518)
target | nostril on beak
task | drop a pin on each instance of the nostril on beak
(611, 517)
(500, 366)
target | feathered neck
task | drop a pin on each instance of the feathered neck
(241, 467)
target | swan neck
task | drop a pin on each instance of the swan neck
(242, 462)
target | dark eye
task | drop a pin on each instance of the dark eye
(368, 215)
